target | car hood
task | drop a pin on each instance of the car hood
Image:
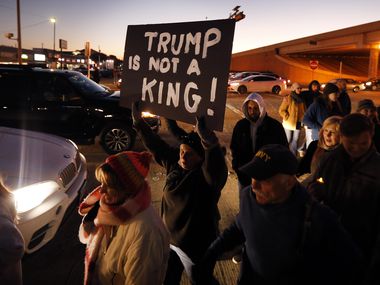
(28, 157)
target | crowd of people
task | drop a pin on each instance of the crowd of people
(309, 205)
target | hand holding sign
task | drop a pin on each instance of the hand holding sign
(207, 136)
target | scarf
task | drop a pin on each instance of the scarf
(98, 216)
(296, 97)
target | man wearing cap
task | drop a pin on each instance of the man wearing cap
(367, 108)
(252, 132)
(351, 187)
(195, 175)
(288, 238)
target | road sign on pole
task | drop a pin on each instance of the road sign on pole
(314, 64)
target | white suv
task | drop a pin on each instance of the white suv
(45, 173)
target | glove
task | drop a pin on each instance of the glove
(207, 136)
(175, 129)
(136, 112)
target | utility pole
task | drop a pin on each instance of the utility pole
(99, 56)
(18, 33)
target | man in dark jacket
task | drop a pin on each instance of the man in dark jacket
(344, 98)
(288, 237)
(195, 176)
(313, 92)
(351, 187)
(251, 133)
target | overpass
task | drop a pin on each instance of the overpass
(351, 52)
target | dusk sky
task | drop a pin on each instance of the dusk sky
(104, 23)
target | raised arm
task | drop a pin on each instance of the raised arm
(214, 165)
(163, 153)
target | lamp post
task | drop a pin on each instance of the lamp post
(53, 20)
(19, 50)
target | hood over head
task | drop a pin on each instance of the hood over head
(315, 82)
(259, 100)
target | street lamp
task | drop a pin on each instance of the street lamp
(53, 20)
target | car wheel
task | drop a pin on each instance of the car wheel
(116, 138)
(276, 89)
(356, 89)
(242, 89)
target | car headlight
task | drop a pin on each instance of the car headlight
(148, 115)
(369, 83)
(234, 83)
(31, 196)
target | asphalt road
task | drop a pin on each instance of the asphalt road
(60, 262)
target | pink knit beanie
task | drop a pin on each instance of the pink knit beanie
(130, 167)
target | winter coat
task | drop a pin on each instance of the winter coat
(318, 112)
(137, 253)
(265, 130)
(292, 113)
(273, 249)
(352, 190)
(345, 102)
(309, 96)
(11, 248)
(190, 197)
(126, 243)
(269, 132)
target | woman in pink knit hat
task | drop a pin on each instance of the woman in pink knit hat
(126, 240)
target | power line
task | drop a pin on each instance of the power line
(26, 27)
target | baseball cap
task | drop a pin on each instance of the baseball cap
(270, 160)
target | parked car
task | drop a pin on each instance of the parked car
(46, 173)
(373, 83)
(258, 83)
(352, 85)
(68, 104)
(242, 75)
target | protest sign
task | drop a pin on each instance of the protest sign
(179, 70)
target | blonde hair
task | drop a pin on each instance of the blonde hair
(106, 175)
(330, 121)
(7, 196)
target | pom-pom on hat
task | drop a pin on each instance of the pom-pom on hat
(130, 167)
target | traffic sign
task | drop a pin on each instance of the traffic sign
(314, 64)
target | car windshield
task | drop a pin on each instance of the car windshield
(87, 86)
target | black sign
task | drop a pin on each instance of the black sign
(179, 70)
